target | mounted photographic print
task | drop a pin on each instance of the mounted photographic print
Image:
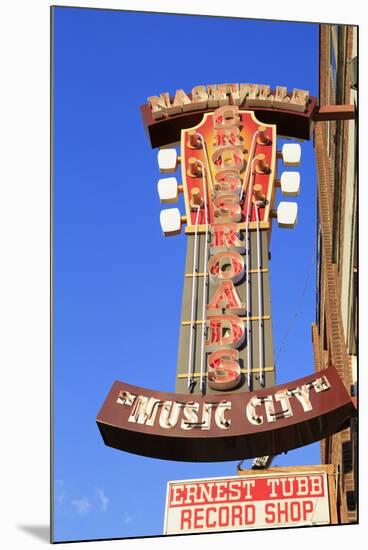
(205, 274)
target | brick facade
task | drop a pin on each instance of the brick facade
(329, 340)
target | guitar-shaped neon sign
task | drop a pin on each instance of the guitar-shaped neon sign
(229, 183)
(226, 405)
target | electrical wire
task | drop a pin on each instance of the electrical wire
(297, 311)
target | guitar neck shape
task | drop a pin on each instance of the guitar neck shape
(230, 347)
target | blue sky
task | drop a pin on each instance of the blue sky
(106, 219)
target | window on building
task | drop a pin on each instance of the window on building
(353, 333)
(331, 85)
(318, 274)
(325, 339)
(333, 54)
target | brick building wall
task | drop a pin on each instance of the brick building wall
(330, 340)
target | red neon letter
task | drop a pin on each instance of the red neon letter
(224, 331)
(225, 236)
(226, 298)
(223, 371)
(227, 208)
(227, 266)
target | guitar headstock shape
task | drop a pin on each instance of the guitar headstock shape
(228, 168)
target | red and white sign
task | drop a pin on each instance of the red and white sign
(260, 501)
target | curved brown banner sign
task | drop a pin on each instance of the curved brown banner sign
(224, 427)
(164, 116)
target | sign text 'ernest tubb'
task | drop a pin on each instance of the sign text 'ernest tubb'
(276, 499)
